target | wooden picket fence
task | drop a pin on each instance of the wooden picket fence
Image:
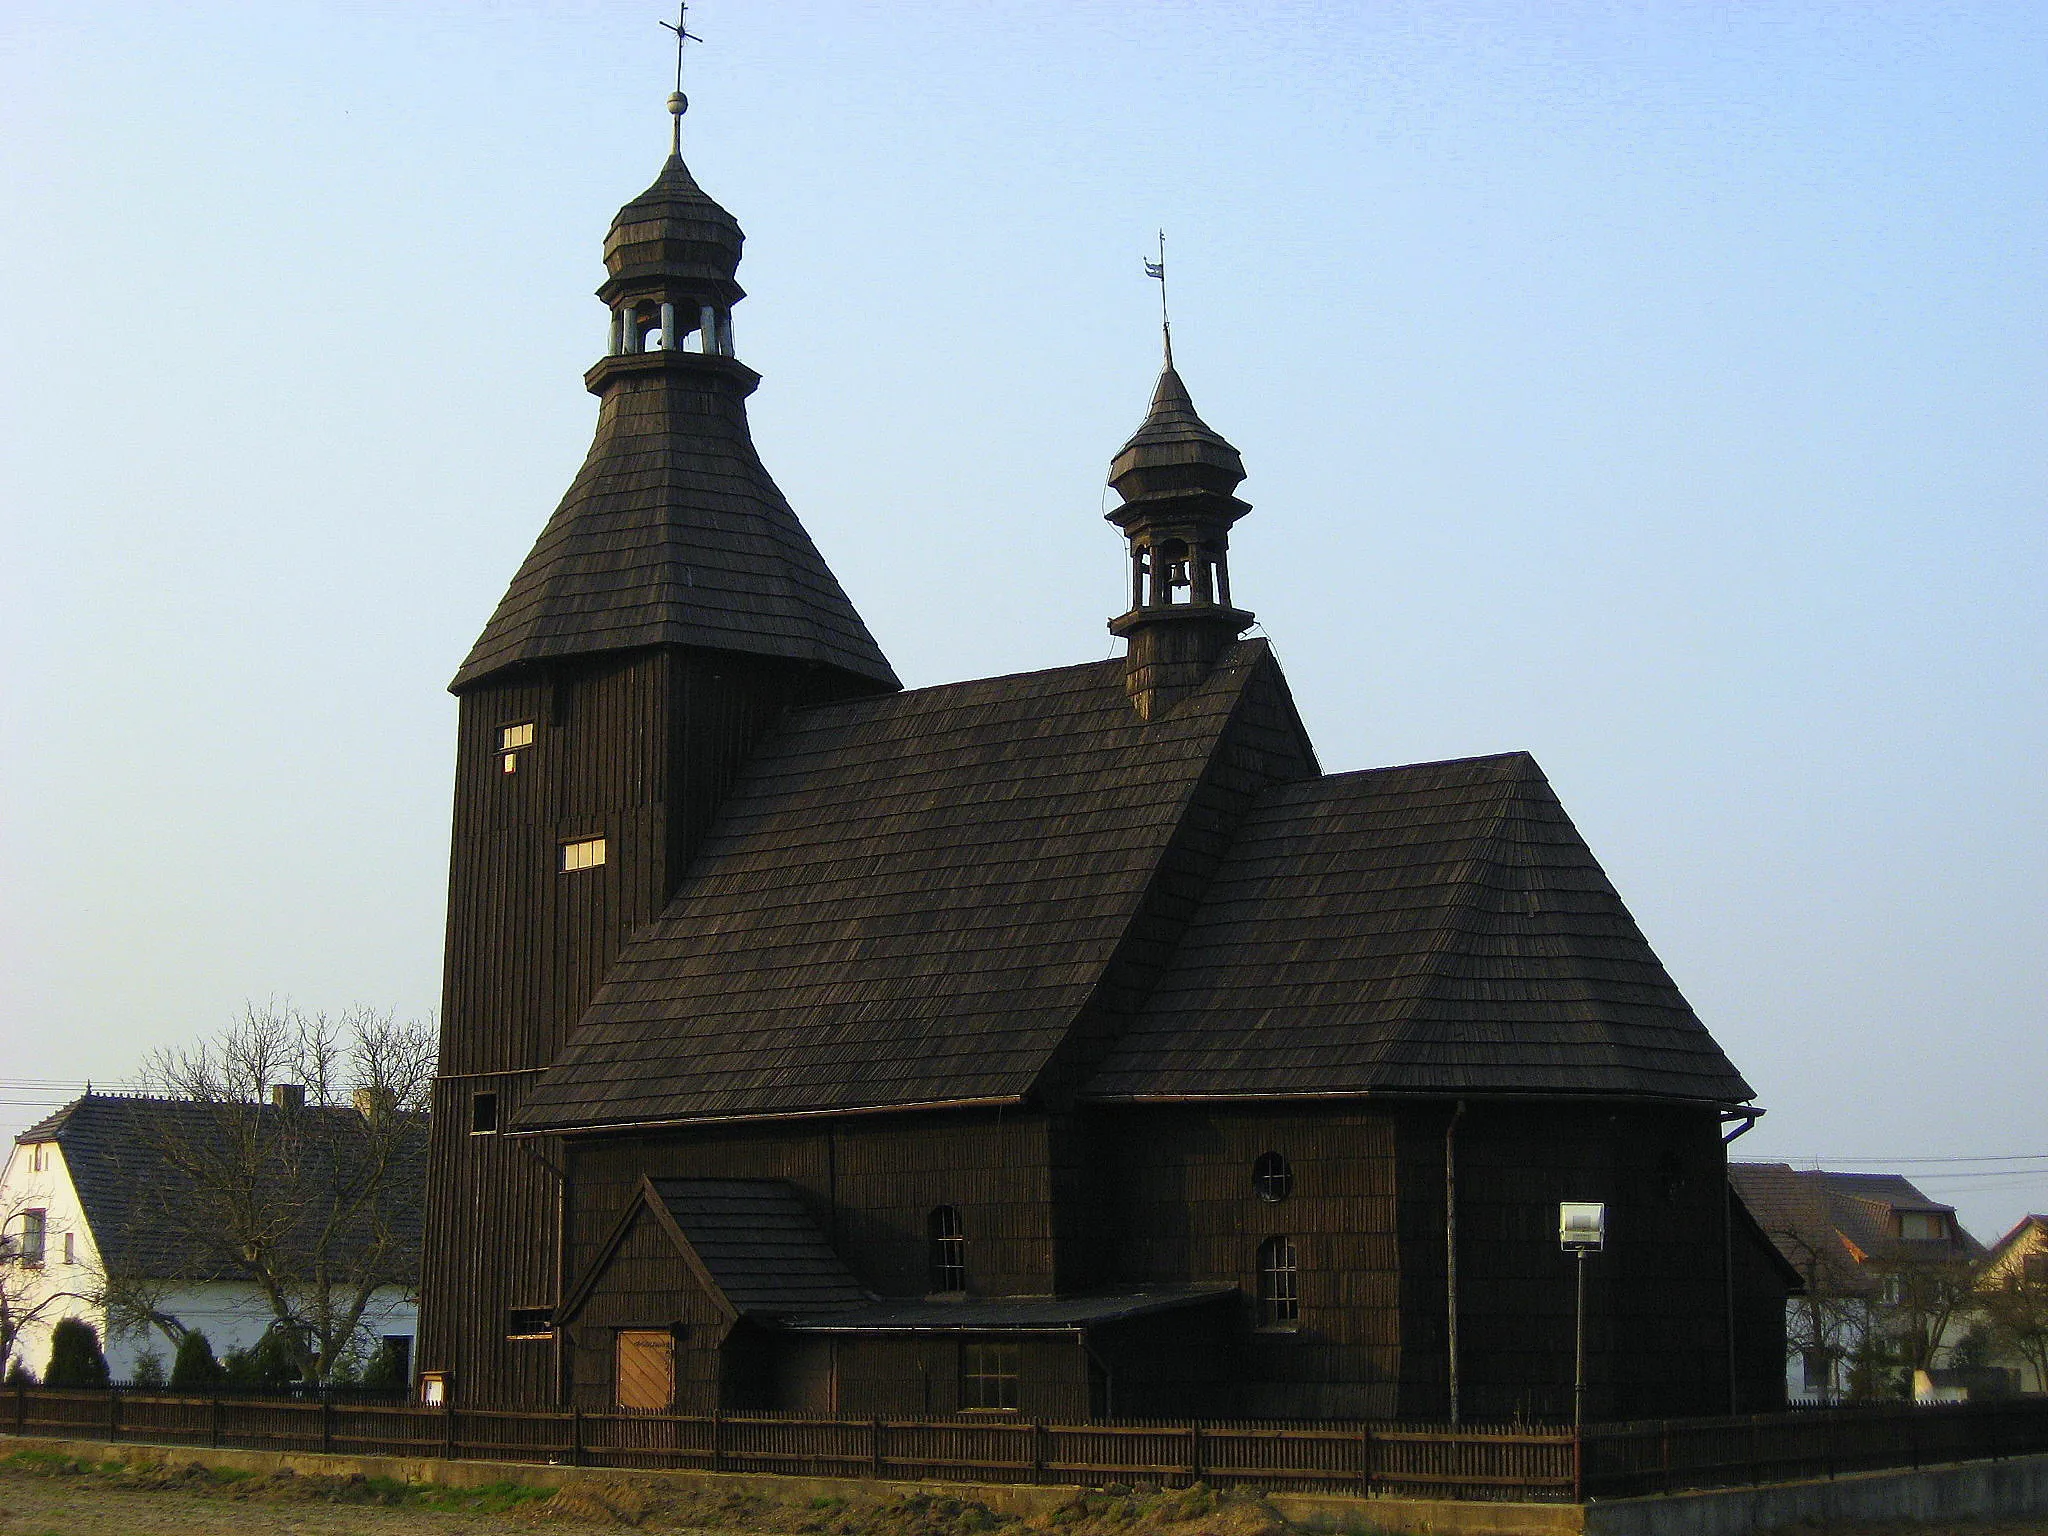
(1508, 1461)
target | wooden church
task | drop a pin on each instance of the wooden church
(1067, 1044)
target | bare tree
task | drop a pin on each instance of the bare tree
(2016, 1307)
(299, 1143)
(1825, 1325)
(1921, 1296)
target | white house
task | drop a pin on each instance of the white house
(88, 1195)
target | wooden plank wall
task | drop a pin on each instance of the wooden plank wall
(1177, 1191)
(647, 1284)
(870, 1183)
(637, 748)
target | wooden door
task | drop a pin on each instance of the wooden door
(645, 1368)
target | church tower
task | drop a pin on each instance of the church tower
(670, 610)
(1176, 477)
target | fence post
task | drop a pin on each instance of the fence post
(113, 1415)
(1365, 1460)
(20, 1407)
(1195, 1451)
(876, 1459)
(1578, 1464)
(1038, 1456)
(1666, 1453)
(448, 1429)
(326, 1426)
(717, 1440)
(1913, 1437)
(213, 1423)
(576, 1436)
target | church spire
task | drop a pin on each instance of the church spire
(673, 533)
(1176, 477)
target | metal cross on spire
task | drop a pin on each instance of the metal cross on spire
(1158, 269)
(678, 103)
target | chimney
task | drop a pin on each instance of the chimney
(288, 1096)
(373, 1102)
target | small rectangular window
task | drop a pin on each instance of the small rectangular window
(512, 737)
(528, 1323)
(70, 1248)
(988, 1376)
(42, 1157)
(584, 853)
(483, 1114)
(35, 1237)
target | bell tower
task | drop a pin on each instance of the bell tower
(670, 610)
(1176, 477)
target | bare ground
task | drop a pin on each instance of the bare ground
(42, 1494)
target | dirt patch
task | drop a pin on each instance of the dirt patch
(47, 1492)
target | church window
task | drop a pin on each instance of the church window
(528, 1323)
(35, 1237)
(1273, 1177)
(988, 1376)
(948, 1249)
(1279, 1290)
(646, 1368)
(483, 1114)
(510, 739)
(584, 853)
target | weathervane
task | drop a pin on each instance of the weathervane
(1158, 269)
(678, 103)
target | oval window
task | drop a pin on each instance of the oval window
(1272, 1177)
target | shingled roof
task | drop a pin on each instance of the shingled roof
(1841, 1221)
(759, 1245)
(673, 534)
(1435, 928)
(141, 1208)
(905, 900)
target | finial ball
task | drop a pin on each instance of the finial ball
(678, 103)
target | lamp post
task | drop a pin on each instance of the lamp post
(1581, 1229)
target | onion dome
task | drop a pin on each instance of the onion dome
(674, 230)
(1175, 450)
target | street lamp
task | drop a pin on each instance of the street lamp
(1581, 1229)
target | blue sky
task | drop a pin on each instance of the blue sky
(1656, 387)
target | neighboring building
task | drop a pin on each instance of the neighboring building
(2020, 1259)
(90, 1201)
(1065, 1044)
(1872, 1252)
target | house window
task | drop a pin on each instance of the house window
(1813, 1370)
(483, 1114)
(646, 1368)
(2034, 1269)
(1922, 1226)
(398, 1346)
(584, 853)
(1893, 1291)
(1273, 1177)
(988, 1376)
(529, 1323)
(35, 1237)
(948, 1249)
(40, 1155)
(70, 1248)
(1279, 1290)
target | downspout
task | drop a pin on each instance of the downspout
(1749, 1118)
(1451, 1253)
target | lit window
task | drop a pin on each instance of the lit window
(1272, 1177)
(948, 1249)
(1279, 1290)
(35, 1237)
(512, 737)
(585, 853)
(988, 1376)
(483, 1114)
